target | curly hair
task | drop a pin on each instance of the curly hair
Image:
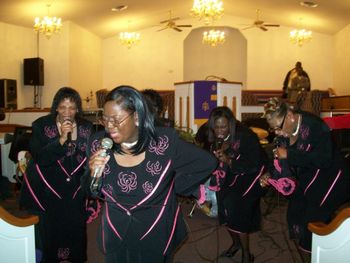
(67, 93)
(275, 107)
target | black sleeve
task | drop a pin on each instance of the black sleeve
(192, 165)
(43, 151)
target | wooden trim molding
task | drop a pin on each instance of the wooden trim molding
(323, 229)
(191, 81)
(16, 221)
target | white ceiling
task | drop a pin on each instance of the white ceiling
(96, 16)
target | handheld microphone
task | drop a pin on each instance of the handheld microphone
(218, 143)
(69, 134)
(106, 144)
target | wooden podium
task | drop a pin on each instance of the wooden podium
(194, 100)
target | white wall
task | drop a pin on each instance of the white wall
(16, 43)
(342, 62)
(157, 61)
(82, 60)
(228, 61)
(85, 65)
(71, 58)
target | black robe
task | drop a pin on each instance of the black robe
(51, 188)
(142, 220)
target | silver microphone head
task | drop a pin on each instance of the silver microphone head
(106, 143)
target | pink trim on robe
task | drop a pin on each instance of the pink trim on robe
(232, 230)
(47, 184)
(155, 188)
(78, 167)
(277, 166)
(234, 180)
(119, 205)
(330, 189)
(75, 170)
(256, 178)
(312, 181)
(75, 193)
(103, 234)
(173, 229)
(110, 223)
(308, 147)
(161, 212)
(32, 192)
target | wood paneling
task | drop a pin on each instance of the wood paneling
(337, 103)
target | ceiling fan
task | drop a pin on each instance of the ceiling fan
(170, 23)
(259, 23)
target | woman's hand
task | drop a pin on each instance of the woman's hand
(222, 157)
(97, 162)
(280, 153)
(264, 180)
(66, 127)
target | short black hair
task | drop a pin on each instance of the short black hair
(67, 93)
(131, 100)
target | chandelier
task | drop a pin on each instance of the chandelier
(129, 38)
(213, 37)
(209, 10)
(300, 36)
(48, 25)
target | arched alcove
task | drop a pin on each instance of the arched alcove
(227, 60)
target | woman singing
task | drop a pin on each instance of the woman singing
(139, 180)
(51, 185)
(237, 178)
(312, 159)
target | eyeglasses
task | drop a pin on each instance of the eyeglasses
(113, 120)
(279, 127)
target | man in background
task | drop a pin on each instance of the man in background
(296, 80)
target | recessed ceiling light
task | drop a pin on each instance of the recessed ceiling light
(119, 8)
(308, 4)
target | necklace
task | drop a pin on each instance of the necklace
(298, 126)
(128, 145)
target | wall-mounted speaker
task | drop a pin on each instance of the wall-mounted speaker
(8, 93)
(33, 71)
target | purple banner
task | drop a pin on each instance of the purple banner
(205, 99)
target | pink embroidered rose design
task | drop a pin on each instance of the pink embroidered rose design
(147, 187)
(50, 131)
(108, 188)
(63, 252)
(153, 168)
(71, 149)
(95, 145)
(304, 132)
(84, 132)
(127, 182)
(236, 145)
(82, 146)
(107, 169)
(79, 158)
(159, 149)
